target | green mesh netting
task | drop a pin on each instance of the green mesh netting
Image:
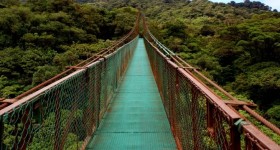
(68, 112)
(186, 107)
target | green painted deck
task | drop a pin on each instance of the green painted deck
(136, 118)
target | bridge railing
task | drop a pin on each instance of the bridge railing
(64, 112)
(199, 118)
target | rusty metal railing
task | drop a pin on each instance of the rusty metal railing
(199, 118)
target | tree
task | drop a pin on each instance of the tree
(207, 31)
(44, 73)
(274, 115)
(9, 3)
(9, 65)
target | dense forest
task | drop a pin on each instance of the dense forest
(235, 44)
(39, 38)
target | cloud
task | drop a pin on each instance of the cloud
(275, 4)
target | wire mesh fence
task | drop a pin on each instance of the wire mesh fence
(199, 119)
(65, 114)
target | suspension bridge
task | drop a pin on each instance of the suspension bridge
(136, 94)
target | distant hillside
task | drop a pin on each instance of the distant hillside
(246, 3)
(252, 5)
(39, 38)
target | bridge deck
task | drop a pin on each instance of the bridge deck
(136, 118)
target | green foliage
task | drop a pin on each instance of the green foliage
(11, 91)
(122, 17)
(175, 28)
(207, 31)
(44, 73)
(8, 62)
(44, 138)
(39, 38)
(8, 137)
(86, 50)
(9, 3)
(261, 82)
(274, 115)
(14, 23)
(66, 58)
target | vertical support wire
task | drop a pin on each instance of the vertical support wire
(57, 121)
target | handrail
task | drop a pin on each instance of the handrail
(183, 63)
(252, 133)
(84, 63)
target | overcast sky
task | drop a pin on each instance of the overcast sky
(275, 4)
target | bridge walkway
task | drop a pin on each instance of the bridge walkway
(136, 118)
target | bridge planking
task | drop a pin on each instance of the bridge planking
(136, 118)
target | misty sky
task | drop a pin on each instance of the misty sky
(275, 4)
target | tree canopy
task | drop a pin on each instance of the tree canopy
(39, 38)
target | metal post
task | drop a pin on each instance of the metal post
(210, 118)
(1, 132)
(89, 119)
(27, 123)
(248, 143)
(98, 91)
(176, 133)
(171, 108)
(57, 122)
(234, 138)
(15, 146)
(195, 123)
